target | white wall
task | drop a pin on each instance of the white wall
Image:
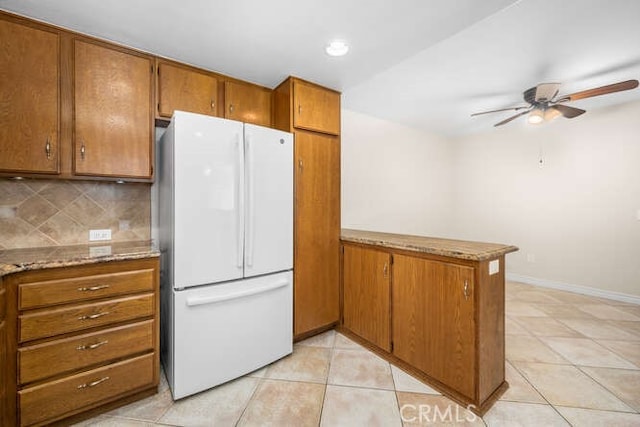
(394, 178)
(576, 216)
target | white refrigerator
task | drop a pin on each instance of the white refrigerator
(226, 241)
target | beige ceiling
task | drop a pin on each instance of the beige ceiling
(424, 63)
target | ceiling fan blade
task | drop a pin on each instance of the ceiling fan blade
(568, 112)
(512, 118)
(502, 109)
(543, 92)
(603, 90)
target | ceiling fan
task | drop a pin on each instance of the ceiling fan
(545, 104)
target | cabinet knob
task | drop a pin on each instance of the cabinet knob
(231, 108)
(300, 165)
(82, 151)
(47, 147)
(466, 290)
(385, 270)
(213, 104)
(299, 109)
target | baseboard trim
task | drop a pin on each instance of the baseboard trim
(585, 290)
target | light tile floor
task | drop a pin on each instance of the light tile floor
(571, 360)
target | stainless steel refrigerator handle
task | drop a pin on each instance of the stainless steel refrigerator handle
(249, 226)
(191, 302)
(240, 202)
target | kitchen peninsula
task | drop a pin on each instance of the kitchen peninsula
(434, 307)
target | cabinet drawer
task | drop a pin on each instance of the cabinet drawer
(78, 317)
(56, 357)
(58, 398)
(50, 292)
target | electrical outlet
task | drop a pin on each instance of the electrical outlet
(494, 267)
(95, 235)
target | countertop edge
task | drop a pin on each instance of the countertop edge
(480, 256)
(6, 269)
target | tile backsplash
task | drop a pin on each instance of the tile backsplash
(36, 213)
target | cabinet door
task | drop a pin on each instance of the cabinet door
(365, 289)
(247, 103)
(29, 94)
(185, 89)
(317, 231)
(316, 108)
(433, 320)
(112, 112)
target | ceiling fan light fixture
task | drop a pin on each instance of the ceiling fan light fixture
(551, 113)
(337, 48)
(536, 116)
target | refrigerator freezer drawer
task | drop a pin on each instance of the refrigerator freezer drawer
(224, 331)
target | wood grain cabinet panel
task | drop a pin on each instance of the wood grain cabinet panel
(113, 131)
(366, 294)
(247, 103)
(29, 95)
(315, 108)
(83, 351)
(48, 323)
(83, 288)
(433, 320)
(317, 231)
(186, 89)
(43, 402)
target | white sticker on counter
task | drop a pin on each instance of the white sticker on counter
(494, 266)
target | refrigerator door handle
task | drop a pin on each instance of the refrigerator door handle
(195, 301)
(240, 202)
(250, 218)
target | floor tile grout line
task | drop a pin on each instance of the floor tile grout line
(604, 386)
(246, 405)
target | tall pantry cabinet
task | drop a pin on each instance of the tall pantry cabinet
(312, 113)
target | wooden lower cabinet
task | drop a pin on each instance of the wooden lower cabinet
(366, 286)
(433, 320)
(80, 339)
(446, 317)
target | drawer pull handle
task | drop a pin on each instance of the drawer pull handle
(93, 288)
(93, 316)
(93, 384)
(92, 346)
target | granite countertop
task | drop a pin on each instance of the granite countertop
(461, 249)
(16, 260)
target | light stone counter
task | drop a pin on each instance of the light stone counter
(461, 249)
(16, 260)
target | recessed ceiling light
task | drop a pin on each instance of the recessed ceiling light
(337, 48)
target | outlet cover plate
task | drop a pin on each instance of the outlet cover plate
(97, 235)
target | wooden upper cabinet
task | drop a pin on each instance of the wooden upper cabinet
(247, 103)
(113, 133)
(315, 108)
(366, 300)
(186, 89)
(29, 93)
(433, 320)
